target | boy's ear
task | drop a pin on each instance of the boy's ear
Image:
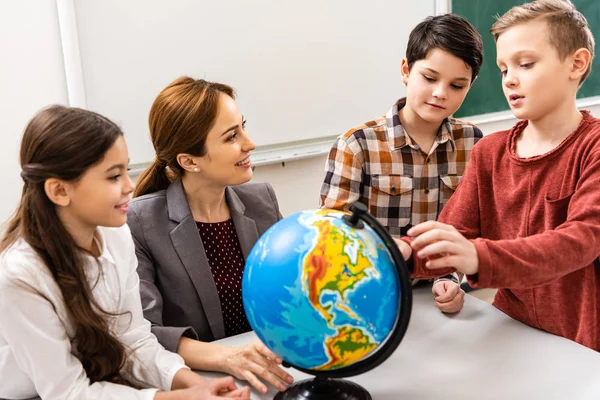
(581, 59)
(57, 192)
(404, 70)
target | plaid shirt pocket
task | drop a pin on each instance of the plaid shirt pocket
(448, 184)
(391, 201)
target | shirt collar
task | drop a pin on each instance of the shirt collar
(446, 134)
(397, 135)
(101, 242)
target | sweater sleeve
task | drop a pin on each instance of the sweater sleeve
(539, 259)
(461, 211)
(417, 267)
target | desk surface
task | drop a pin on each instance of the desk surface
(479, 353)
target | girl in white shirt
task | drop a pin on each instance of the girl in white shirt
(71, 323)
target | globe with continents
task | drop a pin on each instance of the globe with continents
(319, 292)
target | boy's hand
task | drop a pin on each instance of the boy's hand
(448, 296)
(445, 247)
(404, 248)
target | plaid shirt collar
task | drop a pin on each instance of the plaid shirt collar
(397, 135)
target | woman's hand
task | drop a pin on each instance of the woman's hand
(253, 361)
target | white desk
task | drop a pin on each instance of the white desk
(479, 353)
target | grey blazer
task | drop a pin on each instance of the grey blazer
(179, 295)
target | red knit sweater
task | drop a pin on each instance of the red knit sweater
(536, 225)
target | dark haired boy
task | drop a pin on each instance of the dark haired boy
(405, 165)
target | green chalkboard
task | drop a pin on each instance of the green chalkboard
(486, 94)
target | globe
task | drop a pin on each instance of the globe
(326, 292)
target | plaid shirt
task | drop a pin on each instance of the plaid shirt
(378, 164)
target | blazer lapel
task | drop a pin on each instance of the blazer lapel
(188, 245)
(244, 227)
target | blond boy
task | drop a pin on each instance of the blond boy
(526, 217)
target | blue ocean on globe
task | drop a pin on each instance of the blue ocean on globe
(319, 293)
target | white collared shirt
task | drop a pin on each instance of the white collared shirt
(36, 354)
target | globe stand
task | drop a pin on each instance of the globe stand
(322, 388)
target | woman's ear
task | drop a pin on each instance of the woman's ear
(188, 162)
(57, 192)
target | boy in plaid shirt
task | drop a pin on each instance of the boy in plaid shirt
(405, 165)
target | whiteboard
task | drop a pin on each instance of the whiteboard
(303, 70)
(32, 76)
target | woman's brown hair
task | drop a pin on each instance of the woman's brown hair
(180, 118)
(62, 143)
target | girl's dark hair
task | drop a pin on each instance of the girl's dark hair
(62, 143)
(180, 118)
(449, 32)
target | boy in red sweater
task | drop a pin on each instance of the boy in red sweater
(526, 216)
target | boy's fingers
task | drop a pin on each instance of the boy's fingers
(451, 306)
(437, 249)
(444, 298)
(432, 236)
(449, 261)
(449, 294)
(439, 288)
(427, 226)
(404, 248)
(420, 228)
(452, 288)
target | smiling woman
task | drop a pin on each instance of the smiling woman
(194, 221)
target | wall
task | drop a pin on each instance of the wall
(31, 77)
(297, 184)
(294, 65)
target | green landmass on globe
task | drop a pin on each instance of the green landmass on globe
(329, 267)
